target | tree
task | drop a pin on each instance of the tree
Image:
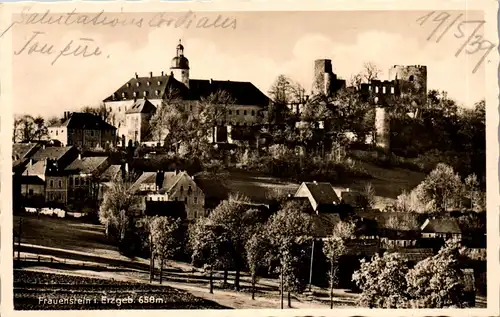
(335, 247)
(235, 222)
(383, 282)
(370, 71)
(116, 209)
(369, 195)
(164, 237)
(169, 117)
(408, 202)
(100, 111)
(285, 91)
(289, 233)
(28, 129)
(257, 248)
(441, 188)
(438, 281)
(473, 193)
(403, 221)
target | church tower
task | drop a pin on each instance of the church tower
(180, 66)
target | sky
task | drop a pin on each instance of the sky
(257, 47)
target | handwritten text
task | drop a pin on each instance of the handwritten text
(473, 44)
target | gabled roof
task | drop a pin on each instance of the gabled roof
(324, 223)
(441, 225)
(51, 153)
(111, 172)
(155, 87)
(141, 106)
(83, 120)
(32, 180)
(39, 168)
(22, 150)
(169, 179)
(86, 165)
(322, 192)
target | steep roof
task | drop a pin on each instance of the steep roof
(83, 120)
(39, 168)
(86, 165)
(142, 106)
(155, 87)
(322, 192)
(32, 180)
(111, 172)
(21, 150)
(169, 179)
(324, 223)
(441, 225)
(51, 153)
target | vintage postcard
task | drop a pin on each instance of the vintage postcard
(250, 158)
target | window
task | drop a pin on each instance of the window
(159, 83)
(253, 112)
(182, 189)
(185, 200)
(149, 83)
(190, 107)
(411, 78)
(128, 84)
(70, 181)
(77, 181)
(60, 184)
(57, 132)
(92, 133)
(51, 183)
(383, 90)
(157, 92)
(119, 109)
(230, 112)
(237, 112)
(376, 89)
(138, 84)
(392, 90)
(145, 93)
(244, 112)
(195, 200)
(135, 93)
(30, 191)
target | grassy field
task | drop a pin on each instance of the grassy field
(45, 291)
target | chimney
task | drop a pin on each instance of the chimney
(162, 73)
(160, 176)
(172, 74)
(211, 81)
(136, 76)
(151, 74)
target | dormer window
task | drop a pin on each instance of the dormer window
(157, 92)
(138, 84)
(145, 93)
(124, 95)
(135, 94)
(114, 95)
(159, 83)
(128, 84)
(149, 83)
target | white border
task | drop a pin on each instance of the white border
(492, 131)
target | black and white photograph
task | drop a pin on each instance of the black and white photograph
(218, 160)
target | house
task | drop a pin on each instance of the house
(85, 131)
(21, 153)
(247, 109)
(446, 228)
(83, 179)
(172, 186)
(414, 255)
(47, 165)
(137, 120)
(321, 196)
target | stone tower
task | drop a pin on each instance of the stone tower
(411, 81)
(323, 77)
(180, 66)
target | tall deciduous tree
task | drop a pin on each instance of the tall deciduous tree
(165, 238)
(116, 209)
(335, 247)
(289, 233)
(28, 128)
(257, 248)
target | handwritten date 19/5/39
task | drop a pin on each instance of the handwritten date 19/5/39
(473, 44)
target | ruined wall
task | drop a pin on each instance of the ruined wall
(412, 81)
(321, 66)
(382, 128)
